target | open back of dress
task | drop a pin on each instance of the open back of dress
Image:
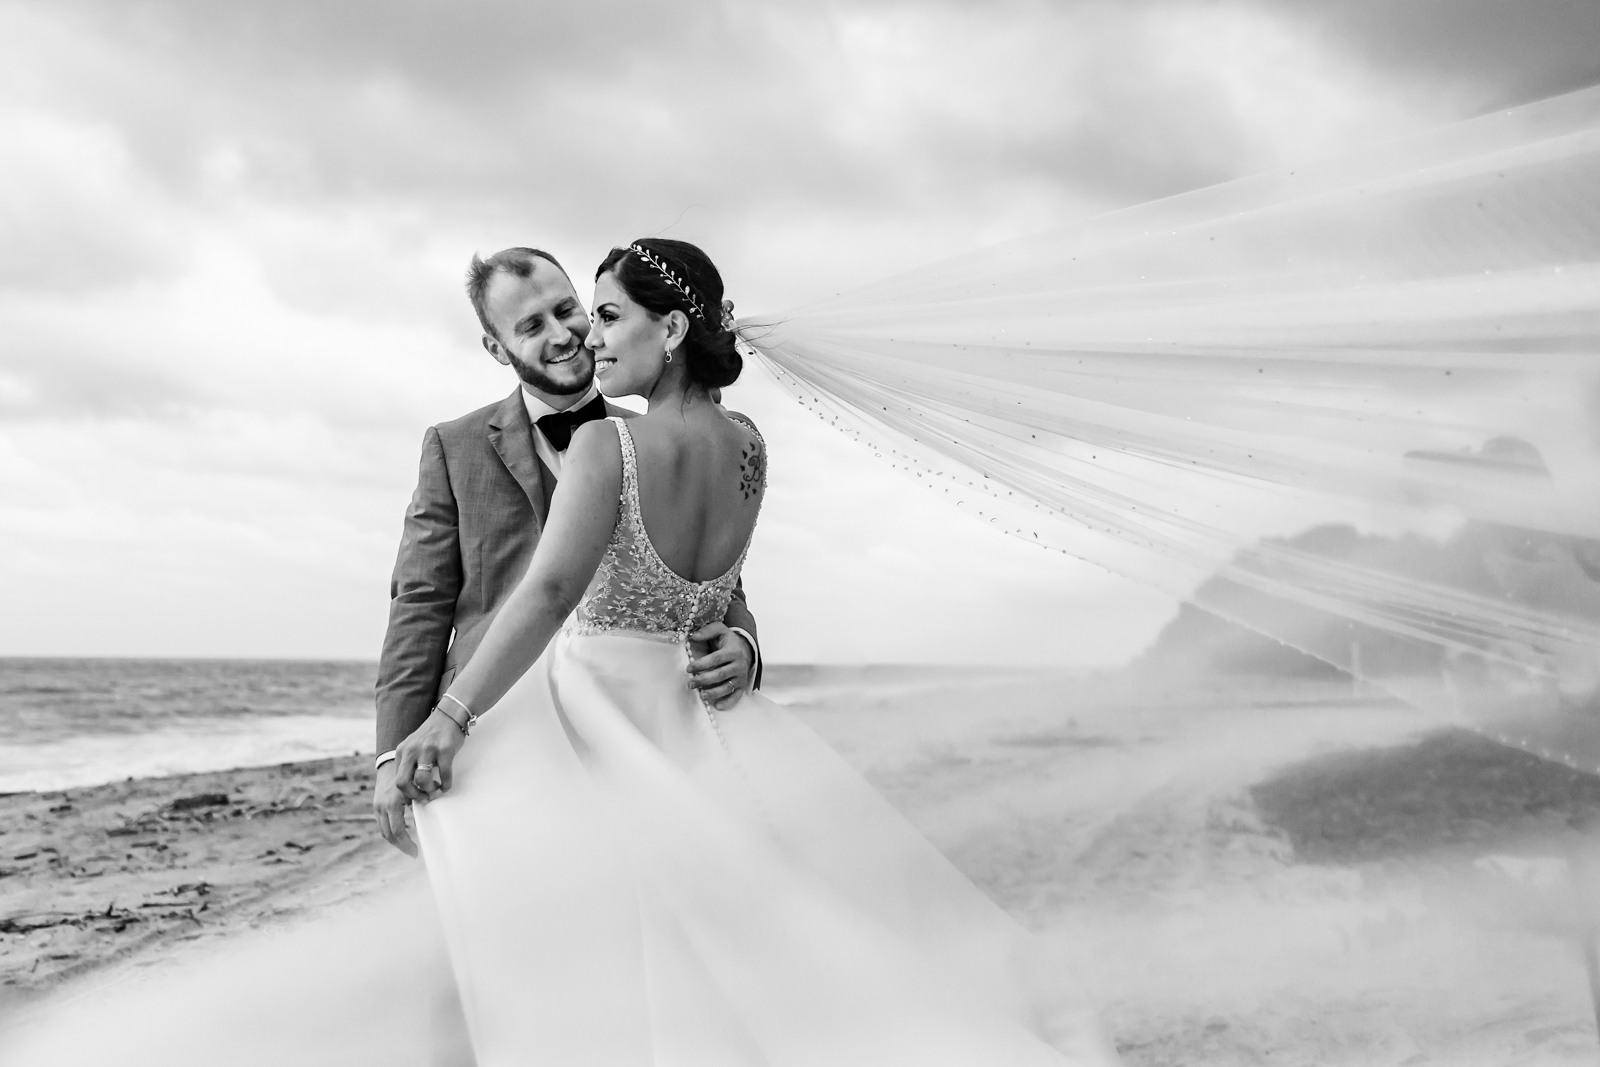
(634, 589)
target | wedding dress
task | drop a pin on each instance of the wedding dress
(622, 876)
(625, 876)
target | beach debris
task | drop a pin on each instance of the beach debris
(48, 920)
(209, 807)
(112, 919)
(285, 801)
(199, 800)
(119, 920)
(27, 924)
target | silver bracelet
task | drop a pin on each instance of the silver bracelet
(466, 725)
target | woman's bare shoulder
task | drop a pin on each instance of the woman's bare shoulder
(744, 420)
(595, 445)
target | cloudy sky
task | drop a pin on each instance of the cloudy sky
(232, 236)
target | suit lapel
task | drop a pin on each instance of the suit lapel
(548, 479)
(511, 434)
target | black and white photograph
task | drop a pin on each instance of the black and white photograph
(800, 533)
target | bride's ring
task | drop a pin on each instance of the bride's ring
(424, 766)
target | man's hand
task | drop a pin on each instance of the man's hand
(422, 763)
(722, 671)
(389, 805)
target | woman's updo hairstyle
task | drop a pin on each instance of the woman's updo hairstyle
(661, 276)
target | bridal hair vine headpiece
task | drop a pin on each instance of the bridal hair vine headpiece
(672, 278)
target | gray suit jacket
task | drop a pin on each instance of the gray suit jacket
(481, 502)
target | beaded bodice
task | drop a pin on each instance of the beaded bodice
(634, 589)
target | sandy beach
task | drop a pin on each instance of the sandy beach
(126, 872)
(1237, 871)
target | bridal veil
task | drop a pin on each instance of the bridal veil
(1352, 408)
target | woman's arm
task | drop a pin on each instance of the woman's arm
(583, 514)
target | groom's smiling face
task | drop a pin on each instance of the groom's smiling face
(539, 325)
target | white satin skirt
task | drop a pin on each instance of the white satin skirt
(624, 878)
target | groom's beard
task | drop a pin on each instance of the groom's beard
(539, 379)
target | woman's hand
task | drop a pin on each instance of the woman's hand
(423, 760)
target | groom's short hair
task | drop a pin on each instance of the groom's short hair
(518, 261)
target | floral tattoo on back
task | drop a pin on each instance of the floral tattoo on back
(752, 468)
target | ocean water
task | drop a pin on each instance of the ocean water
(76, 722)
(66, 723)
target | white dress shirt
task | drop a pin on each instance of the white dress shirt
(538, 409)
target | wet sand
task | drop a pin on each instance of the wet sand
(1237, 871)
(129, 870)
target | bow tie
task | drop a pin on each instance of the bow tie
(557, 426)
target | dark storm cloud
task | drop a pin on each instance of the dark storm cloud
(535, 109)
(532, 107)
(1503, 52)
(339, 146)
(479, 100)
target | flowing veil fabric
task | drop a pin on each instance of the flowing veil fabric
(1353, 407)
(625, 880)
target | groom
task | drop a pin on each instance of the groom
(482, 498)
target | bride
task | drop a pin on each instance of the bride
(625, 875)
